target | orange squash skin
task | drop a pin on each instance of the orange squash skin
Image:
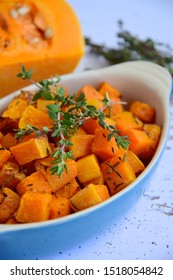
(59, 54)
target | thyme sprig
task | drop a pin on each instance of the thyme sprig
(67, 113)
(130, 47)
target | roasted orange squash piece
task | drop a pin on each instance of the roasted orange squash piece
(108, 88)
(135, 162)
(89, 196)
(34, 207)
(4, 156)
(9, 204)
(43, 35)
(90, 125)
(34, 117)
(126, 120)
(10, 175)
(9, 140)
(68, 190)
(153, 131)
(15, 108)
(54, 180)
(88, 168)
(59, 207)
(117, 173)
(103, 148)
(35, 181)
(81, 145)
(30, 150)
(140, 142)
(143, 111)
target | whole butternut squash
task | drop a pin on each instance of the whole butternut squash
(41, 34)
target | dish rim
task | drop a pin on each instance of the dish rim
(154, 73)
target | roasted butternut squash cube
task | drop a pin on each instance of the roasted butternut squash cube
(10, 175)
(143, 111)
(9, 204)
(81, 145)
(126, 120)
(59, 207)
(103, 148)
(54, 180)
(89, 196)
(34, 117)
(34, 207)
(135, 162)
(140, 142)
(68, 190)
(9, 140)
(153, 131)
(15, 108)
(4, 155)
(35, 181)
(42, 105)
(96, 181)
(88, 168)
(117, 173)
(91, 125)
(39, 146)
(105, 87)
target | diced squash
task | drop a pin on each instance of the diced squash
(89, 196)
(10, 175)
(143, 111)
(8, 140)
(135, 162)
(96, 181)
(35, 181)
(118, 174)
(94, 98)
(59, 207)
(9, 204)
(153, 131)
(34, 207)
(112, 91)
(54, 180)
(103, 148)
(115, 109)
(34, 117)
(80, 131)
(15, 108)
(126, 120)
(90, 93)
(39, 147)
(4, 156)
(81, 145)
(139, 141)
(91, 125)
(88, 168)
(42, 105)
(68, 190)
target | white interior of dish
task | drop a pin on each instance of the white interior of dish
(143, 81)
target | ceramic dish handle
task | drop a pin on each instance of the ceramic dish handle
(152, 72)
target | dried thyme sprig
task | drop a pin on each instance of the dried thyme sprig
(66, 122)
(132, 48)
